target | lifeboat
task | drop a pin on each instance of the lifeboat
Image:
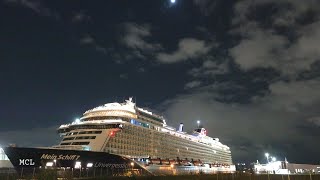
(185, 162)
(165, 161)
(173, 161)
(155, 161)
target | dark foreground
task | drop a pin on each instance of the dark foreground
(54, 175)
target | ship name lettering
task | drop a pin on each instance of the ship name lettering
(108, 165)
(60, 157)
(68, 157)
(48, 156)
(26, 162)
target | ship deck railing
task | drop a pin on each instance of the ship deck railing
(68, 147)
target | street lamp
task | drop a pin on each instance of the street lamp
(267, 156)
(274, 159)
(171, 165)
(198, 122)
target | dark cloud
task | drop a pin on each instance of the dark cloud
(262, 45)
(206, 6)
(36, 6)
(124, 76)
(315, 120)
(188, 48)
(210, 68)
(87, 40)
(90, 41)
(192, 84)
(80, 17)
(135, 37)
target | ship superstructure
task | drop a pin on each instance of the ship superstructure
(127, 130)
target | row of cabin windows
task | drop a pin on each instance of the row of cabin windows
(81, 137)
(149, 119)
(100, 118)
(84, 132)
(90, 132)
(140, 113)
(106, 126)
(76, 143)
(150, 116)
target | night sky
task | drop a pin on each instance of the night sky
(248, 70)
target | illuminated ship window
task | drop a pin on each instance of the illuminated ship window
(104, 126)
(86, 137)
(90, 132)
(67, 139)
(135, 122)
(80, 143)
(65, 143)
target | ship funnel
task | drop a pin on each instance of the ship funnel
(181, 127)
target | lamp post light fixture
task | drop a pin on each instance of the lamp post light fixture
(171, 165)
(267, 156)
(55, 164)
(198, 122)
(273, 159)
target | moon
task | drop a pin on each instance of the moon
(173, 1)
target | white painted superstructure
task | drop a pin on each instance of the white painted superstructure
(126, 130)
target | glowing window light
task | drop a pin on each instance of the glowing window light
(78, 165)
(49, 164)
(89, 165)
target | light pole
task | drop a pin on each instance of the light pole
(132, 164)
(171, 165)
(267, 156)
(198, 122)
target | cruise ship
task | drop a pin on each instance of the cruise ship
(117, 134)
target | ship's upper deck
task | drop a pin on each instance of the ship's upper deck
(127, 109)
